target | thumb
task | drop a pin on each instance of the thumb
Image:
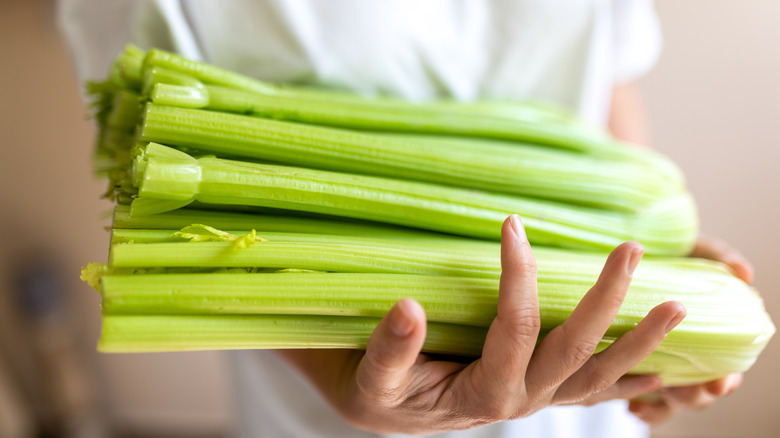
(392, 350)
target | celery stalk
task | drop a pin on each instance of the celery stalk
(149, 333)
(326, 255)
(469, 301)
(486, 165)
(504, 121)
(167, 176)
(265, 222)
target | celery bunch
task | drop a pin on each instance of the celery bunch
(256, 215)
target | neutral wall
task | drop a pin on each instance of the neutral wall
(713, 104)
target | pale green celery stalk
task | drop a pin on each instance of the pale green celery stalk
(717, 303)
(162, 333)
(225, 220)
(468, 301)
(169, 179)
(348, 110)
(660, 171)
(395, 115)
(211, 75)
(485, 165)
(320, 254)
(149, 333)
(414, 240)
(204, 72)
(724, 332)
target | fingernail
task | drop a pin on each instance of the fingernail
(676, 320)
(633, 260)
(517, 225)
(402, 321)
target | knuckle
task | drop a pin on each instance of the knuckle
(496, 409)
(520, 267)
(615, 300)
(527, 265)
(578, 350)
(487, 406)
(378, 364)
(600, 380)
(587, 398)
(522, 321)
(508, 406)
(379, 393)
(588, 401)
(523, 411)
(612, 294)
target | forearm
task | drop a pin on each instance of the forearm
(627, 119)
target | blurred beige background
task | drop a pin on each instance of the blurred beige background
(713, 102)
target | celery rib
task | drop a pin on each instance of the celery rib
(668, 227)
(150, 333)
(484, 165)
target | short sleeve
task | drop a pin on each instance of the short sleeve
(97, 31)
(637, 38)
(94, 32)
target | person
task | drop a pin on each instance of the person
(581, 55)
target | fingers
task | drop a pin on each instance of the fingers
(684, 397)
(651, 413)
(601, 371)
(718, 250)
(567, 347)
(513, 334)
(701, 396)
(724, 386)
(625, 388)
(392, 351)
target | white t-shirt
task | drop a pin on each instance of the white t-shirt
(567, 52)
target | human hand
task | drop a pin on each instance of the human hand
(708, 247)
(655, 410)
(391, 387)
